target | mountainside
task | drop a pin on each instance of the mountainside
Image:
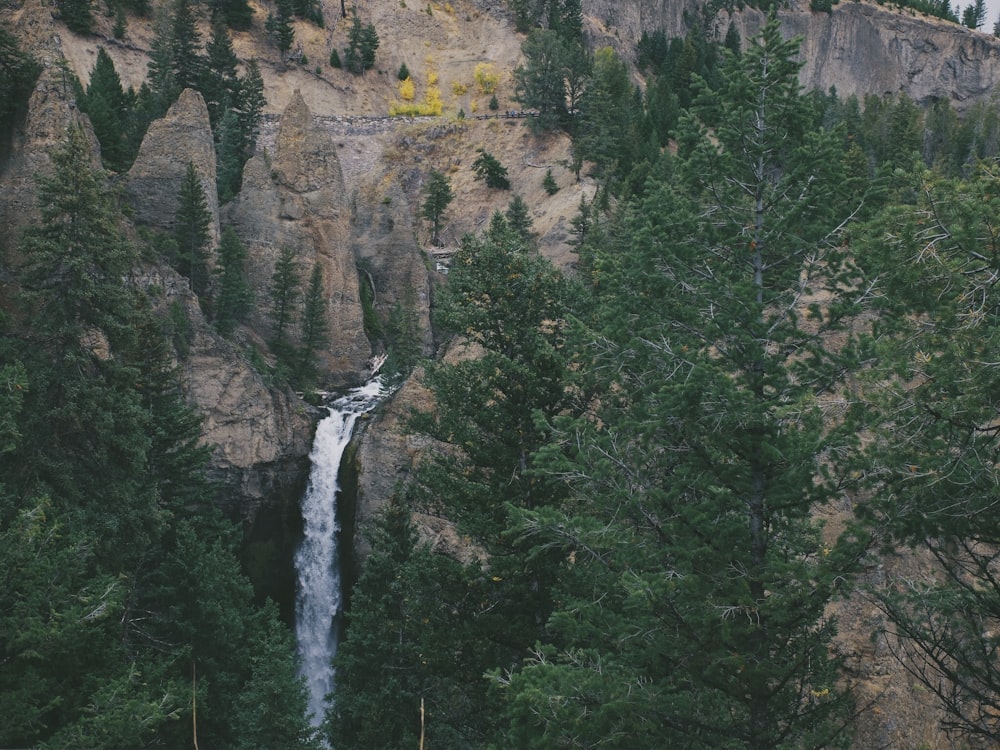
(340, 184)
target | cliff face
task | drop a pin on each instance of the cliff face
(297, 199)
(860, 48)
(182, 137)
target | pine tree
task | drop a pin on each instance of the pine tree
(314, 329)
(77, 15)
(519, 220)
(192, 225)
(489, 169)
(234, 297)
(437, 197)
(185, 45)
(693, 464)
(220, 85)
(362, 43)
(76, 256)
(929, 410)
(161, 88)
(285, 292)
(236, 14)
(18, 71)
(279, 27)
(108, 108)
(251, 107)
(539, 83)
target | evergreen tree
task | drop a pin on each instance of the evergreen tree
(220, 85)
(602, 132)
(285, 292)
(235, 297)
(362, 43)
(279, 26)
(109, 110)
(77, 15)
(314, 328)
(185, 45)
(18, 71)
(519, 220)
(236, 14)
(488, 169)
(125, 579)
(437, 197)
(251, 107)
(161, 88)
(929, 409)
(539, 83)
(693, 463)
(75, 257)
(192, 226)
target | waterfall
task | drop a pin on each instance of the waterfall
(317, 600)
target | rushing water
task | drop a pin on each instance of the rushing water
(317, 601)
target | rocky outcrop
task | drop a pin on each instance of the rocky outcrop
(390, 258)
(183, 136)
(859, 47)
(862, 48)
(259, 436)
(387, 453)
(297, 199)
(51, 109)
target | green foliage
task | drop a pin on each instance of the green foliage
(76, 257)
(279, 26)
(234, 298)
(125, 581)
(519, 220)
(362, 43)
(691, 462)
(551, 79)
(414, 622)
(929, 404)
(110, 110)
(549, 183)
(77, 15)
(314, 328)
(403, 73)
(335, 59)
(185, 44)
(192, 225)
(18, 71)
(286, 288)
(220, 85)
(437, 197)
(489, 169)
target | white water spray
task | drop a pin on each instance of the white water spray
(317, 564)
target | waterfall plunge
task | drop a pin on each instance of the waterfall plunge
(317, 601)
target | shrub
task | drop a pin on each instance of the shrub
(549, 183)
(487, 78)
(404, 72)
(407, 89)
(490, 170)
(335, 59)
(458, 88)
(494, 104)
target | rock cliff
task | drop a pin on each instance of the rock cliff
(182, 137)
(859, 47)
(296, 198)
